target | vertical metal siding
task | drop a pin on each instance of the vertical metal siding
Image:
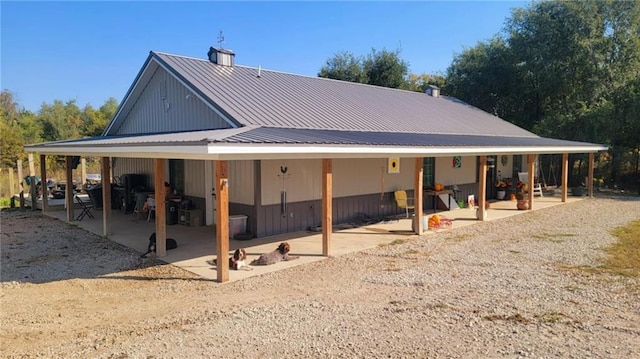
(166, 105)
(134, 165)
(366, 176)
(194, 178)
(302, 182)
(241, 182)
(449, 175)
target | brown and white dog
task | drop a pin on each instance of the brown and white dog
(280, 254)
(238, 260)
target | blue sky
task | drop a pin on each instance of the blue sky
(89, 51)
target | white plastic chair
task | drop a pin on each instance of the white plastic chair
(151, 206)
(524, 178)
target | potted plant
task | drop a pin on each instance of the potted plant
(522, 202)
(502, 189)
(577, 188)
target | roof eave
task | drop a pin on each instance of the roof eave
(225, 151)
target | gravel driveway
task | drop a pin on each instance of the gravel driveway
(519, 287)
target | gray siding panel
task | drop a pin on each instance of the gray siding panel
(166, 105)
(269, 221)
(134, 165)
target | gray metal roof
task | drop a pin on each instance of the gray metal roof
(320, 137)
(277, 99)
(253, 135)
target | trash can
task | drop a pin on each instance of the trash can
(237, 224)
(172, 212)
(95, 195)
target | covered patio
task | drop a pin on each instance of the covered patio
(197, 245)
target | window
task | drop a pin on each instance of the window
(176, 175)
(428, 172)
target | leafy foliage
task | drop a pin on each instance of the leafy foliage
(53, 122)
(561, 69)
(381, 68)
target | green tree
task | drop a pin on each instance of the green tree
(380, 68)
(11, 141)
(60, 121)
(420, 82)
(561, 69)
(344, 66)
(385, 68)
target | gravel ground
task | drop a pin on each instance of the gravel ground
(512, 288)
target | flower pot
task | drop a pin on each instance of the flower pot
(577, 191)
(522, 204)
(513, 197)
(501, 194)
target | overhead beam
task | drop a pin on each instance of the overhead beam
(161, 212)
(222, 220)
(327, 205)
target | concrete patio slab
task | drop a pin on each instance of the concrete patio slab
(197, 245)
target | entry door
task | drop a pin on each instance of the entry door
(491, 176)
(210, 193)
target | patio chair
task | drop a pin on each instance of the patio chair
(85, 209)
(151, 207)
(403, 202)
(537, 187)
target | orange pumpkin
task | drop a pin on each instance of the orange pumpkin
(438, 186)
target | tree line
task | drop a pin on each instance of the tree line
(561, 69)
(53, 122)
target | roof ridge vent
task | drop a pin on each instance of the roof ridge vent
(432, 90)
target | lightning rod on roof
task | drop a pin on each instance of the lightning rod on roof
(220, 39)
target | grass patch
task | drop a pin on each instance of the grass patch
(516, 318)
(553, 237)
(5, 202)
(459, 237)
(395, 242)
(554, 317)
(624, 255)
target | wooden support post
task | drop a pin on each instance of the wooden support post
(482, 188)
(45, 189)
(565, 176)
(222, 219)
(12, 185)
(161, 209)
(327, 205)
(33, 192)
(417, 194)
(590, 175)
(531, 161)
(21, 184)
(106, 195)
(68, 196)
